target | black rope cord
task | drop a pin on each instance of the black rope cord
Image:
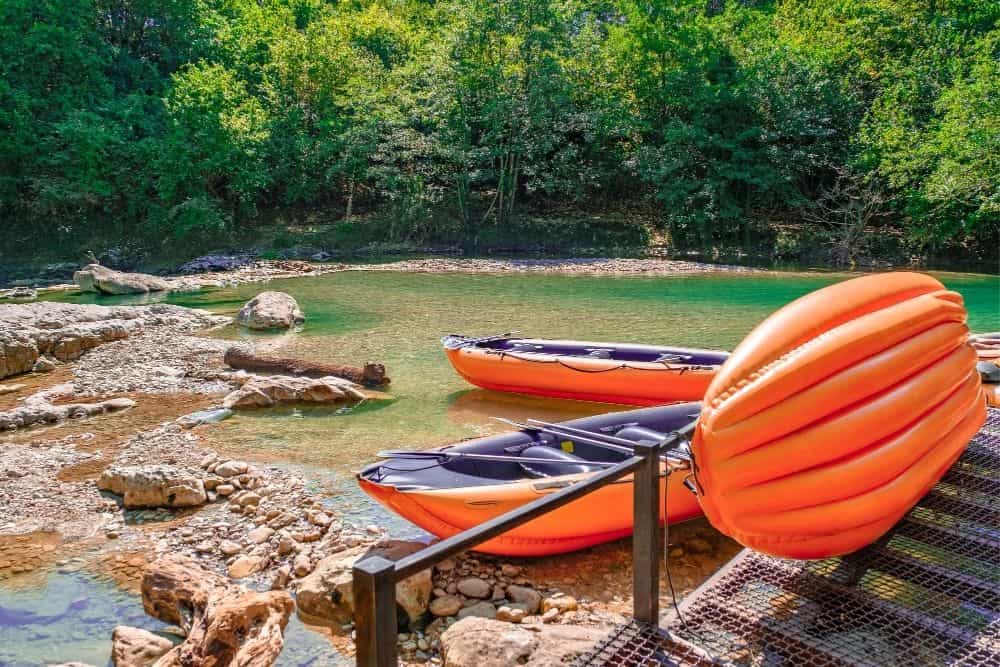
(623, 365)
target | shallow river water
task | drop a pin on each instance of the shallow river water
(398, 319)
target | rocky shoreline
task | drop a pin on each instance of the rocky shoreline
(156, 491)
(224, 271)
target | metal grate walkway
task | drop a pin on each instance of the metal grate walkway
(927, 594)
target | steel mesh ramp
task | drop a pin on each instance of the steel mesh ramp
(926, 594)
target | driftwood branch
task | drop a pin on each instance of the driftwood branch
(225, 624)
(370, 375)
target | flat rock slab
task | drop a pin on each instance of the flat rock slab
(64, 331)
(483, 642)
(97, 278)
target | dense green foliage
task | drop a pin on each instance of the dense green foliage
(179, 123)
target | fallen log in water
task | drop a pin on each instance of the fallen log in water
(370, 375)
(225, 624)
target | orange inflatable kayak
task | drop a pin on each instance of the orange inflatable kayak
(446, 491)
(603, 372)
(837, 414)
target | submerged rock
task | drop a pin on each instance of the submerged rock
(213, 416)
(262, 392)
(153, 486)
(97, 278)
(270, 310)
(135, 647)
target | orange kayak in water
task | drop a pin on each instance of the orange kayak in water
(586, 371)
(444, 491)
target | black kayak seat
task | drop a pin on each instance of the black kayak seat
(563, 463)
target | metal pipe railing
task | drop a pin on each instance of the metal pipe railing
(375, 577)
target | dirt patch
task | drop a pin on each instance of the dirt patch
(31, 383)
(602, 575)
(122, 567)
(28, 553)
(104, 432)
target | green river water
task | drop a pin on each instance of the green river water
(397, 319)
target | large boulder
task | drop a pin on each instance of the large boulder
(483, 642)
(328, 592)
(223, 624)
(153, 486)
(270, 310)
(135, 647)
(97, 278)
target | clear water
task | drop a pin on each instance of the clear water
(67, 618)
(71, 615)
(398, 319)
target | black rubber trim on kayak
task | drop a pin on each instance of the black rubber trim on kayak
(624, 365)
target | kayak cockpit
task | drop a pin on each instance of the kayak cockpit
(526, 454)
(609, 351)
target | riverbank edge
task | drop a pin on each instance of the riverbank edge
(257, 271)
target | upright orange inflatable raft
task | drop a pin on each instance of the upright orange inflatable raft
(834, 416)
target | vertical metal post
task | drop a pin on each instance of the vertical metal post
(646, 534)
(375, 612)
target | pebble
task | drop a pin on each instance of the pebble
(509, 570)
(229, 548)
(445, 605)
(480, 609)
(474, 588)
(285, 546)
(227, 490)
(281, 578)
(231, 468)
(550, 615)
(303, 565)
(511, 614)
(561, 604)
(260, 535)
(244, 566)
(529, 597)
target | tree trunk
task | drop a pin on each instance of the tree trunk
(370, 375)
(350, 201)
